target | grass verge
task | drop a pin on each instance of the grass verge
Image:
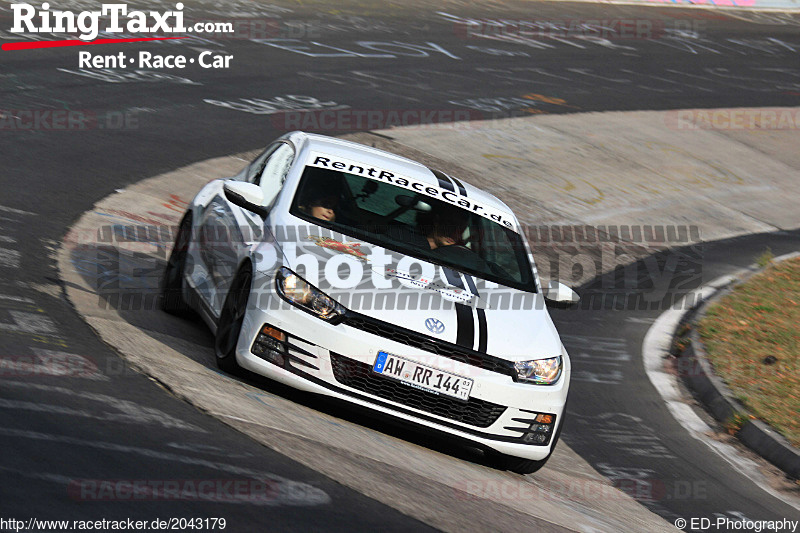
(752, 337)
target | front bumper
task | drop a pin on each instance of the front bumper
(336, 360)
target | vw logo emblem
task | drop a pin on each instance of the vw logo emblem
(434, 326)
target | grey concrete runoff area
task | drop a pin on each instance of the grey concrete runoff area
(599, 169)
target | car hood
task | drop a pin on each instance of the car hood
(430, 299)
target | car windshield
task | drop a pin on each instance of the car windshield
(414, 224)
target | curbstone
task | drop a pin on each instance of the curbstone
(772, 446)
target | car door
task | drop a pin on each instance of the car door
(230, 231)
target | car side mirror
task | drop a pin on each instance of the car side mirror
(556, 294)
(246, 195)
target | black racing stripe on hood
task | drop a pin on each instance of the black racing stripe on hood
(483, 328)
(471, 284)
(461, 190)
(453, 278)
(465, 324)
(444, 180)
(483, 331)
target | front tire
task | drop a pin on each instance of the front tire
(172, 283)
(231, 320)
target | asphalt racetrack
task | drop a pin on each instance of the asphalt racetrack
(65, 435)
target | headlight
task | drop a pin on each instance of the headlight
(539, 371)
(299, 292)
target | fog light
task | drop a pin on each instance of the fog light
(274, 357)
(540, 428)
(535, 438)
(270, 345)
(269, 342)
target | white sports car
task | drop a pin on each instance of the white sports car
(348, 271)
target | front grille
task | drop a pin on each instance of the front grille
(359, 376)
(423, 342)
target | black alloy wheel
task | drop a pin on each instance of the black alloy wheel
(172, 284)
(231, 320)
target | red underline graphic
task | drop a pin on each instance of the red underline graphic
(75, 42)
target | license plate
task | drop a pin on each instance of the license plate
(422, 376)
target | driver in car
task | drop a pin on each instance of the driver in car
(443, 226)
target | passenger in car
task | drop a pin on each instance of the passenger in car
(320, 197)
(322, 207)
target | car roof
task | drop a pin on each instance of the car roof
(382, 159)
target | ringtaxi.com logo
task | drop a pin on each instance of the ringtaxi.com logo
(152, 25)
(26, 19)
